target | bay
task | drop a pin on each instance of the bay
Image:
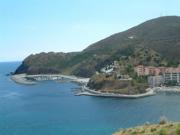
(50, 108)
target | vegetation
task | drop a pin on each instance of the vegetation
(159, 129)
(155, 42)
(111, 84)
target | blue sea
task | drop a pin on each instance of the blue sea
(50, 108)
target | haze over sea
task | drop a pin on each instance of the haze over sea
(50, 108)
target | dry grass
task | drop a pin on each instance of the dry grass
(159, 129)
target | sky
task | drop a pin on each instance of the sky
(33, 26)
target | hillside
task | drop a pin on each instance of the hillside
(45, 63)
(159, 129)
(123, 79)
(161, 35)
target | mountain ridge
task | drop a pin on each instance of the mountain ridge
(160, 34)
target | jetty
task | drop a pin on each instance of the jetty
(33, 79)
(88, 92)
(21, 79)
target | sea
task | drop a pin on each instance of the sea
(50, 108)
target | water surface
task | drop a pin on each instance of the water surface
(50, 108)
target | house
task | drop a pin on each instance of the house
(110, 68)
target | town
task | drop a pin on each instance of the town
(158, 76)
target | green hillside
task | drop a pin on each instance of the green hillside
(160, 35)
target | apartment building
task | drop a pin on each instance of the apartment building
(172, 77)
(149, 70)
(155, 81)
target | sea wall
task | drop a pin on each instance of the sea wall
(89, 92)
(32, 79)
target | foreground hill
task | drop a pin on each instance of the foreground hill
(161, 35)
(160, 129)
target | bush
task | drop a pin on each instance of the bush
(153, 129)
(178, 129)
(163, 120)
(163, 132)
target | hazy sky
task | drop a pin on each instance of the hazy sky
(32, 26)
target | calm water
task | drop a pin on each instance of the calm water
(49, 108)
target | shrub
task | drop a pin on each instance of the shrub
(134, 133)
(153, 129)
(163, 132)
(163, 120)
(178, 129)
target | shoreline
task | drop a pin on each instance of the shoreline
(174, 89)
(89, 92)
(34, 79)
(149, 92)
(21, 79)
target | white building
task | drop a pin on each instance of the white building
(107, 71)
(172, 77)
(155, 81)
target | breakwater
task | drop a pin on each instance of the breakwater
(88, 92)
(33, 79)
